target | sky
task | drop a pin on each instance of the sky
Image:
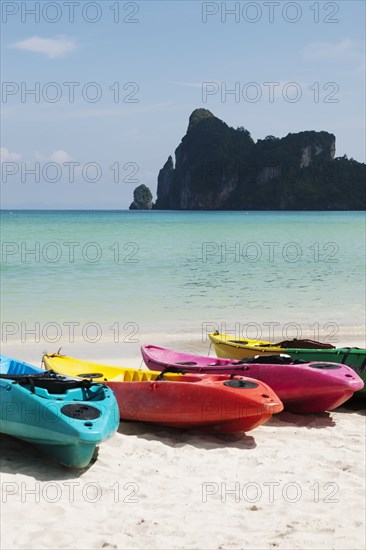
(97, 95)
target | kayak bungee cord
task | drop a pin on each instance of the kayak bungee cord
(174, 370)
(49, 380)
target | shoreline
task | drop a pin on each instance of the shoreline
(128, 353)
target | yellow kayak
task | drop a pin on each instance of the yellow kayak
(228, 346)
(77, 368)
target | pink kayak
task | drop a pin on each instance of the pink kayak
(302, 387)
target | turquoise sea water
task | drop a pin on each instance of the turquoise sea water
(158, 276)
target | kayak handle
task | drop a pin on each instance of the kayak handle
(172, 369)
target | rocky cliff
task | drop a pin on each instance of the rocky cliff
(218, 167)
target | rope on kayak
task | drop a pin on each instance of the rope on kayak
(209, 349)
(43, 364)
(345, 357)
(357, 368)
(238, 366)
(172, 369)
(142, 362)
(33, 375)
(57, 354)
(275, 359)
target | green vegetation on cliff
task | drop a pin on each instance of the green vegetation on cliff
(218, 167)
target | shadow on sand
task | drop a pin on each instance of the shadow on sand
(310, 421)
(19, 457)
(320, 420)
(179, 438)
(355, 405)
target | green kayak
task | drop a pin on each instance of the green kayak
(228, 346)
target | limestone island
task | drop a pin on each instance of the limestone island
(221, 168)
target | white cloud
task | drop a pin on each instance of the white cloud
(346, 49)
(7, 156)
(60, 156)
(51, 47)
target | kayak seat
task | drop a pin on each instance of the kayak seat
(303, 344)
(48, 380)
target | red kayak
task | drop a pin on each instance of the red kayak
(302, 387)
(215, 403)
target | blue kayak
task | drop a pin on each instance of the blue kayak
(63, 417)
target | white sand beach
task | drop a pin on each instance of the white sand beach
(296, 482)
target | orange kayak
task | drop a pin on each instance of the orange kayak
(218, 403)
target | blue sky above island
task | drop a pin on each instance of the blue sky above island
(113, 98)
